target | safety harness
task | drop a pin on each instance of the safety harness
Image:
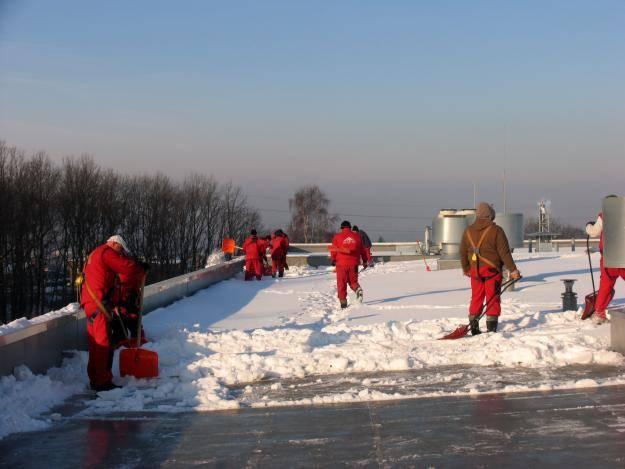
(476, 257)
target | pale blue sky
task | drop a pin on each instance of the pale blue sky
(394, 108)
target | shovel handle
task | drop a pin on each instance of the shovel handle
(140, 318)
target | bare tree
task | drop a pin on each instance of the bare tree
(310, 219)
(52, 217)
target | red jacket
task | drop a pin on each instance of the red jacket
(279, 245)
(105, 270)
(263, 244)
(350, 241)
(251, 248)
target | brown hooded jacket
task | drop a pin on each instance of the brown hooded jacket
(494, 248)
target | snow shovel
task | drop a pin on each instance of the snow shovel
(462, 331)
(427, 267)
(136, 361)
(591, 298)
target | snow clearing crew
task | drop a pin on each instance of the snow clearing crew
(253, 267)
(111, 283)
(279, 246)
(609, 275)
(366, 244)
(484, 250)
(346, 251)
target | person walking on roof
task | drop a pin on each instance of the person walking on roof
(346, 251)
(484, 250)
(111, 281)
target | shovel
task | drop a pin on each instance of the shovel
(136, 361)
(591, 298)
(462, 331)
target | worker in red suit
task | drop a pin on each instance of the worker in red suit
(286, 250)
(366, 244)
(346, 251)
(609, 275)
(253, 266)
(263, 244)
(111, 282)
(279, 246)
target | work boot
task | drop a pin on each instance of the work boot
(343, 303)
(599, 317)
(491, 324)
(474, 324)
(359, 295)
(109, 386)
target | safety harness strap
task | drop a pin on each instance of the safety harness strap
(475, 256)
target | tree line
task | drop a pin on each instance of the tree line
(53, 215)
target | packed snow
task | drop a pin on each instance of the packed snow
(285, 341)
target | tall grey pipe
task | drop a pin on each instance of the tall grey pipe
(614, 231)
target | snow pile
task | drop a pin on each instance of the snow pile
(306, 334)
(24, 397)
(215, 257)
(22, 323)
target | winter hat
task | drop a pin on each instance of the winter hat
(355, 228)
(119, 240)
(346, 224)
(485, 210)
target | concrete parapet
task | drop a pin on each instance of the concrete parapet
(617, 329)
(40, 346)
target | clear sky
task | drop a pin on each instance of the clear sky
(394, 108)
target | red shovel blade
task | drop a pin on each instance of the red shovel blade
(589, 305)
(459, 333)
(138, 362)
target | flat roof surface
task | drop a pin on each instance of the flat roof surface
(565, 428)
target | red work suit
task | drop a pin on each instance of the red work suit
(109, 276)
(279, 245)
(253, 267)
(347, 262)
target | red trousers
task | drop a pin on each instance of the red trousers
(485, 286)
(606, 286)
(277, 263)
(100, 351)
(253, 268)
(346, 275)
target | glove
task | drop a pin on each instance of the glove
(333, 263)
(364, 265)
(145, 265)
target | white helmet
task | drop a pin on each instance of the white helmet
(119, 240)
